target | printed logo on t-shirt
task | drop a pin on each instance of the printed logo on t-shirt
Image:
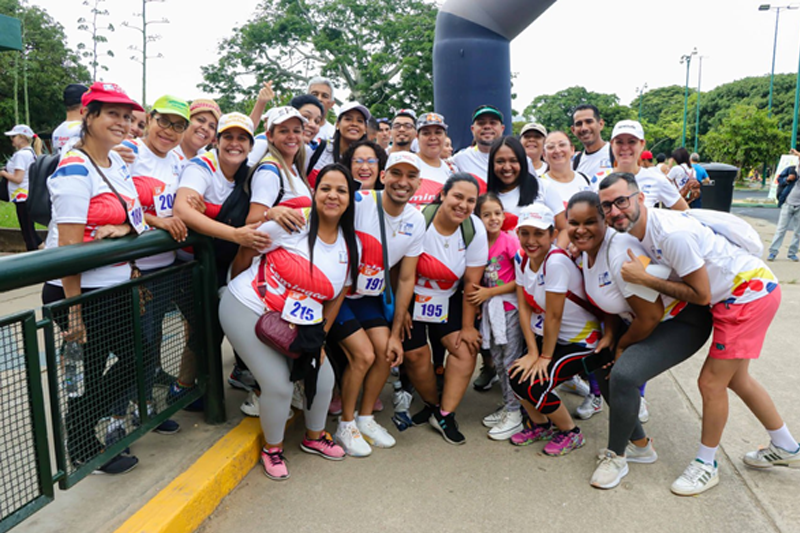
(604, 279)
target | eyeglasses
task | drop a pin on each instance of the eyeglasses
(402, 126)
(562, 145)
(361, 161)
(623, 202)
(165, 123)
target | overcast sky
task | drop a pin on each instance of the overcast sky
(611, 46)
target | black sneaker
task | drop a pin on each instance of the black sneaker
(120, 464)
(423, 415)
(485, 380)
(447, 426)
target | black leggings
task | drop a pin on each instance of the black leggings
(29, 235)
(567, 362)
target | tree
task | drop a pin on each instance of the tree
(381, 52)
(746, 137)
(48, 65)
(92, 28)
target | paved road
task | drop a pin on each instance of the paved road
(769, 214)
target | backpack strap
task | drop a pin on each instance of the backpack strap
(467, 227)
(585, 178)
(316, 155)
(577, 160)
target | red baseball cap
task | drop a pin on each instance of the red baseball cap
(647, 155)
(108, 93)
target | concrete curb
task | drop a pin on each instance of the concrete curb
(191, 498)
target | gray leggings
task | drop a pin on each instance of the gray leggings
(505, 355)
(670, 344)
(272, 369)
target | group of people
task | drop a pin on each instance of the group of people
(559, 268)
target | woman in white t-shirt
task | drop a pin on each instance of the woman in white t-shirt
(304, 275)
(558, 152)
(683, 176)
(455, 249)
(88, 190)
(559, 326)
(434, 169)
(28, 147)
(351, 126)
(366, 160)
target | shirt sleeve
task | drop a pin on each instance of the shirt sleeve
(618, 256)
(683, 252)
(71, 191)
(674, 174)
(559, 267)
(553, 200)
(21, 160)
(418, 240)
(266, 185)
(518, 275)
(668, 194)
(478, 249)
(195, 178)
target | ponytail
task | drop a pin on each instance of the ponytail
(37, 145)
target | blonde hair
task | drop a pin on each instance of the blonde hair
(35, 143)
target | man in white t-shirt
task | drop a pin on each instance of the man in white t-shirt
(322, 88)
(69, 131)
(487, 125)
(595, 159)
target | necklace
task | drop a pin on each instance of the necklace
(395, 228)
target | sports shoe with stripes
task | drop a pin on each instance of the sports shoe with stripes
(697, 478)
(274, 464)
(772, 456)
(564, 442)
(536, 433)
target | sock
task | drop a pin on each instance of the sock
(546, 425)
(575, 430)
(365, 418)
(783, 439)
(594, 386)
(443, 412)
(273, 450)
(351, 423)
(706, 454)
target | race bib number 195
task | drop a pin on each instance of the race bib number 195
(431, 308)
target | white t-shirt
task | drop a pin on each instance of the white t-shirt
(677, 240)
(156, 181)
(565, 191)
(445, 259)
(547, 195)
(267, 181)
(288, 269)
(656, 188)
(21, 160)
(80, 196)
(182, 159)
(66, 135)
(260, 145)
(405, 235)
(432, 180)
(538, 173)
(326, 158)
(473, 161)
(326, 132)
(578, 326)
(680, 174)
(203, 175)
(597, 165)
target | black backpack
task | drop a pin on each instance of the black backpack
(38, 203)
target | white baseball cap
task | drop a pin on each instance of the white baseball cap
(349, 106)
(235, 120)
(536, 215)
(395, 158)
(631, 127)
(279, 115)
(21, 129)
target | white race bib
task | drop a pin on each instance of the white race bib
(301, 309)
(431, 308)
(370, 281)
(136, 217)
(163, 202)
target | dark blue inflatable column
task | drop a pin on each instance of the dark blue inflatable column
(471, 67)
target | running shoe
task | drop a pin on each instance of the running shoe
(610, 470)
(167, 427)
(772, 456)
(644, 412)
(698, 477)
(564, 442)
(771, 256)
(274, 464)
(576, 385)
(335, 408)
(447, 426)
(323, 446)
(424, 414)
(537, 433)
(646, 455)
(491, 420)
(250, 405)
(590, 406)
(351, 440)
(242, 379)
(486, 378)
(120, 464)
(374, 433)
(510, 424)
(793, 257)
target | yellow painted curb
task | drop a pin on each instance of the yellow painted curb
(191, 498)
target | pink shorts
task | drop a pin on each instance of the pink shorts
(740, 329)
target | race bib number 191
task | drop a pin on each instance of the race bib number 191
(301, 309)
(431, 308)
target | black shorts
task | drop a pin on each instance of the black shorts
(358, 313)
(422, 330)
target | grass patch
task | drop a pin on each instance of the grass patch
(8, 216)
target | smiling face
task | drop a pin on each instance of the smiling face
(287, 137)
(627, 150)
(234, 146)
(622, 219)
(533, 142)
(536, 242)
(447, 151)
(558, 150)
(162, 140)
(332, 196)
(403, 132)
(138, 125)
(586, 227)
(364, 167)
(459, 202)
(507, 167)
(486, 128)
(431, 141)
(111, 126)
(201, 130)
(400, 183)
(314, 117)
(492, 216)
(586, 127)
(352, 125)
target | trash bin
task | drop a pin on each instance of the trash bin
(718, 194)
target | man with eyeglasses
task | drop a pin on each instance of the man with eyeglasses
(404, 132)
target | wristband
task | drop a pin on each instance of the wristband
(543, 357)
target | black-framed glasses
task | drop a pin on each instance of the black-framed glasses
(623, 202)
(166, 124)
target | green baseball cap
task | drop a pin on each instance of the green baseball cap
(487, 110)
(172, 105)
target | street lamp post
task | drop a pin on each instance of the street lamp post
(686, 58)
(697, 116)
(768, 7)
(641, 99)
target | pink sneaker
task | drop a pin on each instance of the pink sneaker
(274, 464)
(528, 436)
(564, 442)
(324, 447)
(335, 409)
(378, 406)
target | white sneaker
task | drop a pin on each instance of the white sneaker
(493, 419)
(698, 477)
(644, 413)
(772, 456)
(610, 470)
(591, 406)
(576, 386)
(510, 424)
(350, 439)
(374, 433)
(250, 405)
(646, 455)
(298, 396)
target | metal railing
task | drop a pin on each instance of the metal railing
(118, 384)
